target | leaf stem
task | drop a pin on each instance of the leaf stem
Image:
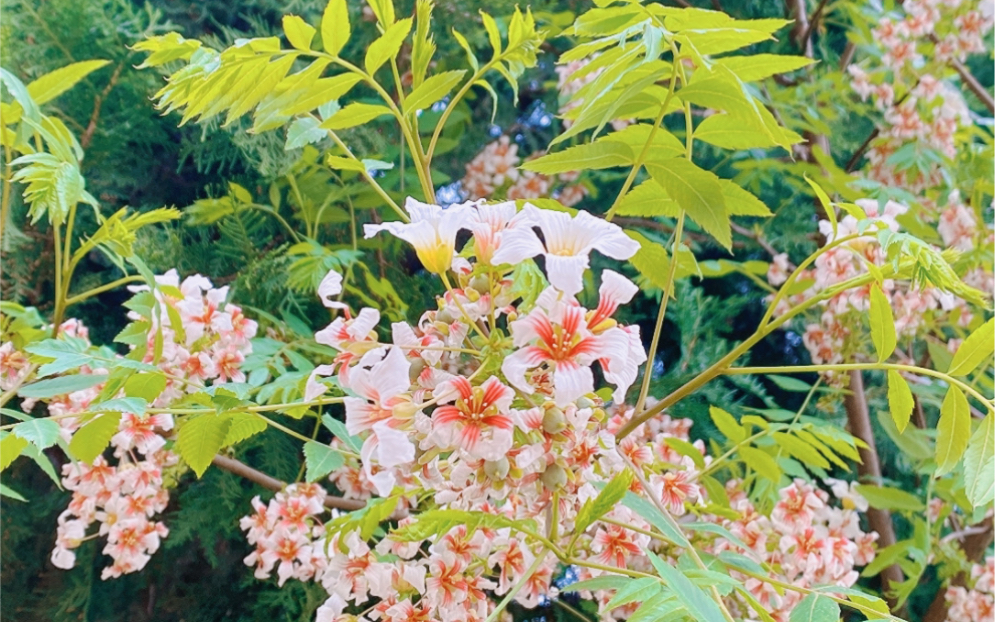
(134, 278)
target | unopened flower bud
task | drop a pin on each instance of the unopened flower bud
(553, 421)
(584, 402)
(404, 410)
(480, 283)
(497, 469)
(554, 477)
(472, 294)
(444, 316)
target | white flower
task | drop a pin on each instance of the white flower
(568, 242)
(432, 231)
(331, 286)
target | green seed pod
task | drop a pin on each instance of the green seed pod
(554, 422)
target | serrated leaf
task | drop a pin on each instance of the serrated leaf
(607, 582)
(697, 192)
(303, 131)
(655, 517)
(11, 447)
(588, 156)
(638, 590)
(726, 424)
(200, 438)
(761, 462)
(353, 115)
(976, 349)
(952, 430)
(146, 385)
(41, 432)
(754, 67)
(432, 90)
(741, 202)
(900, 400)
(800, 450)
(243, 425)
(61, 386)
(979, 464)
(815, 608)
(133, 405)
(827, 205)
(55, 83)
(320, 460)
(733, 132)
(882, 324)
(335, 26)
(93, 438)
(387, 46)
(607, 499)
(299, 33)
(648, 200)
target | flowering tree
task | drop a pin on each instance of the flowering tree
(503, 444)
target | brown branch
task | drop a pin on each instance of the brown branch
(859, 419)
(271, 483)
(756, 237)
(847, 57)
(974, 546)
(814, 21)
(972, 83)
(98, 102)
(796, 10)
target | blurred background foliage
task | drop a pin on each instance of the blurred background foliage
(136, 157)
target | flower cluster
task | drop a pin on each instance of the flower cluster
(926, 110)
(496, 168)
(207, 343)
(488, 405)
(974, 604)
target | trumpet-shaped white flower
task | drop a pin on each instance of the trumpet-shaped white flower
(432, 231)
(567, 244)
(331, 286)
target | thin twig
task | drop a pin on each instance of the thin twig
(98, 102)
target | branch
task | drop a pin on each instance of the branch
(799, 33)
(974, 547)
(972, 83)
(98, 101)
(859, 420)
(814, 22)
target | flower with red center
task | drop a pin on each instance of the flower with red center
(140, 432)
(796, 509)
(674, 488)
(445, 584)
(479, 422)
(614, 545)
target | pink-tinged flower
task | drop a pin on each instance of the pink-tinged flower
(290, 548)
(615, 545)
(432, 231)
(379, 389)
(779, 270)
(479, 421)
(228, 362)
(140, 432)
(331, 285)
(567, 244)
(344, 332)
(673, 489)
(511, 559)
(796, 509)
(201, 313)
(488, 224)
(538, 587)
(445, 584)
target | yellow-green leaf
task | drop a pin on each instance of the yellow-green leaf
(977, 348)
(320, 460)
(93, 438)
(827, 205)
(726, 424)
(740, 202)
(320, 92)
(755, 67)
(353, 115)
(733, 131)
(979, 464)
(952, 431)
(335, 26)
(761, 462)
(146, 385)
(882, 324)
(648, 199)
(10, 448)
(432, 90)
(55, 83)
(243, 425)
(696, 191)
(200, 438)
(899, 400)
(299, 33)
(387, 46)
(586, 156)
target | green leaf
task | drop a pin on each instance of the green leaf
(979, 464)
(756, 67)
(976, 349)
(952, 431)
(11, 447)
(6, 491)
(696, 191)
(726, 424)
(733, 132)
(740, 202)
(698, 604)
(55, 83)
(648, 199)
(200, 438)
(827, 205)
(815, 608)
(303, 131)
(900, 400)
(243, 425)
(882, 324)
(61, 386)
(319, 93)
(886, 498)
(134, 405)
(761, 462)
(607, 499)
(93, 438)
(588, 156)
(335, 26)
(606, 582)
(384, 11)
(432, 90)
(387, 46)
(665, 145)
(639, 590)
(41, 432)
(353, 115)
(790, 384)
(655, 517)
(338, 428)
(320, 460)
(299, 33)
(146, 385)
(800, 450)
